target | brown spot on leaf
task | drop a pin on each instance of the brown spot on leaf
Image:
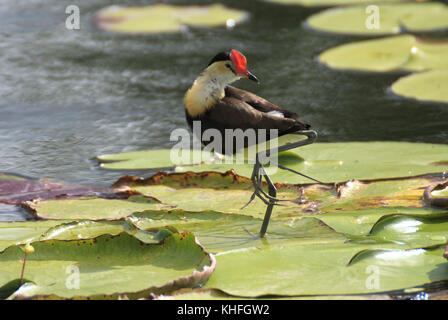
(439, 163)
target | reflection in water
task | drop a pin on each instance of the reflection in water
(13, 213)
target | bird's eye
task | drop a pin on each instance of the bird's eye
(228, 65)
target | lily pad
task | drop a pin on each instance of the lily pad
(324, 269)
(160, 18)
(352, 208)
(224, 232)
(339, 162)
(326, 237)
(164, 158)
(405, 52)
(90, 208)
(213, 201)
(327, 162)
(15, 233)
(392, 19)
(413, 231)
(428, 86)
(87, 229)
(165, 192)
(355, 210)
(20, 232)
(360, 222)
(153, 159)
(226, 192)
(109, 266)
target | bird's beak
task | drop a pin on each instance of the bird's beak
(250, 76)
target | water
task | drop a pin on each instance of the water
(67, 96)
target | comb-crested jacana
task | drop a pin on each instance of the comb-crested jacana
(217, 105)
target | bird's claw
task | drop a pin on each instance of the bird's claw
(261, 194)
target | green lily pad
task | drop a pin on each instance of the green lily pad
(165, 192)
(428, 86)
(11, 287)
(356, 195)
(109, 266)
(324, 269)
(153, 159)
(75, 230)
(392, 19)
(331, 3)
(225, 192)
(20, 232)
(327, 162)
(229, 193)
(360, 222)
(413, 231)
(160, 18)
(338, 162)
(357, 208)
(87, 229)
(405, 52)
(326, 237)
(210, 204)
(219, 232)
(164, 158)
(90, 208)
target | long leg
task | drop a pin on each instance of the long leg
(257, 177)
(258, 173)
(267, 215)
(257, 183)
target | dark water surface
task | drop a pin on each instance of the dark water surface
(67, 96)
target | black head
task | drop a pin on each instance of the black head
(222, 56)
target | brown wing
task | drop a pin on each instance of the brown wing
(233, 113)
(257, 102)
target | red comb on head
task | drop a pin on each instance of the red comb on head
(240, 62)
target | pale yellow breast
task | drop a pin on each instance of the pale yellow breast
(200, 97)
(208, 89)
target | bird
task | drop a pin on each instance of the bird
(213, 103)
(218, 105)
